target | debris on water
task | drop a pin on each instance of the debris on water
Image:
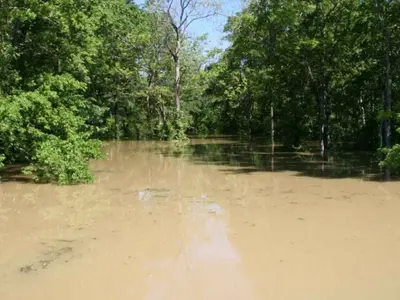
(27, 269)
(49, 257)
(215, 208)
(58, 252)
(65, 240)
(44, 263)
(144, 195)
(65, 250)
(158, 190)
(148, 193)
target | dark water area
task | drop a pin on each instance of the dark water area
(245, 157)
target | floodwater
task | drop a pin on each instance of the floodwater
(211, 221)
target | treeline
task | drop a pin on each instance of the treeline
(323, 70)
(75, 72)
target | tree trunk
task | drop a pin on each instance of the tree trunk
(116, 121)
(321, 87)
(249, 120)
(178, 75)
(272, 129)
(388, 81)
(323, 124)
(388, 89)
(363, 117)
(388, 100)
(382, 127)
(272, 135)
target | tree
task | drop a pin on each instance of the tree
(181, 14)
(43, 111)
(327, 68)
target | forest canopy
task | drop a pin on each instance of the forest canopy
(73, 73)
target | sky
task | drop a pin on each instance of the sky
(214, 26)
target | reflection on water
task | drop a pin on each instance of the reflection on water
(204, 249)
(252, 157)
(208, 221)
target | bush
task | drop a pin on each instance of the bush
(392, 159)
(46, 129)
(175, 127)
(64, 161)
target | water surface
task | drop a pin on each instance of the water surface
(217, 220)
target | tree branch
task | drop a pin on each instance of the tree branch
(199, 18)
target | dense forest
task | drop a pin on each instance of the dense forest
(76, 72)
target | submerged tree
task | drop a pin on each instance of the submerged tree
(328, 69)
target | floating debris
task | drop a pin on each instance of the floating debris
(27, 269)
(215, 208)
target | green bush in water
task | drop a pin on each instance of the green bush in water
(1, 161)
(64, 161)
(392, 159)
(45, 129)
(175, 127)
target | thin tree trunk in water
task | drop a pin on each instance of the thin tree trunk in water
(272, 136)
(272, 48)
(272, 128)
(323, 125)
(388, 84)
(363, 118)
(382, 132)
(387, 104)
(149, 87)
(388, 95)
(249, 112)
(178, 75)
(163, 118)
(321, 90)
(116, 129)
(326, 131)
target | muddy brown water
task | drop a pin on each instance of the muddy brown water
(210, 223)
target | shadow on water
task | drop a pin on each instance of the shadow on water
(248, 157)
(14, 173)
(242, 157)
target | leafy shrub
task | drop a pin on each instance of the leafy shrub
(175, 127)
(1, 161)
(392, 159)
(46, 129)
(64, 161)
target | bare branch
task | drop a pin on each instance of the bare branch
(182, 13)
(169, 7)
(200, 18)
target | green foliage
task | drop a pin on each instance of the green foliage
(392, 158)
(46, 129)
(73, 72)
(318, 64)
(175, 128)
(64, 161)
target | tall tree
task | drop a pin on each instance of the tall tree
(181, 14)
